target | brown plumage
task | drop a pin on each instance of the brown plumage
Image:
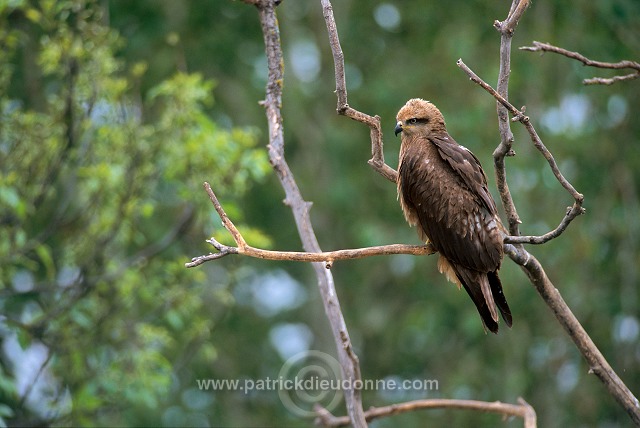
(443, 192)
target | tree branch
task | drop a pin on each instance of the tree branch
(377, 162)
(620, 65)
(547, 47)
(598, 365)
(572, 212)
(373, 122)
(529, 264)
(610, 80)
(519, 116)
(513, 244)
(506, 28)
(296, 256)
(506, 141)
(348, 360)
(522, 410)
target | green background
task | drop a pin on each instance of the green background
(113, 114)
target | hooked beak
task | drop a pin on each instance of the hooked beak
(398, 128)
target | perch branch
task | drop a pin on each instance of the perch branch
(327, 257)
(522, 410)
(620, 65)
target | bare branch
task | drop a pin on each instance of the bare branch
(537, 142)
(620, 65)
(522, 410)
(349, 363)
(373, 122)
(598, 365)
(572, 212)
(509, 25)
(519, 255)
(547, 47)
(223, 250)
(296, 256)
(610, 80)
(327, 257)
(506, 29)
(502, 100)
(226, 221)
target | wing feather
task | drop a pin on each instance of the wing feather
(468, 167)
(447, 190)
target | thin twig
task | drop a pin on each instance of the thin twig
(610, 80)
(508, 26)
(547, 47)
(29, 389)
(522, 410)
(226, 221)
(572, 212)
(620, 65)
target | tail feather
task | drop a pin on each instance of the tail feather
(486, 293)
(499, 298)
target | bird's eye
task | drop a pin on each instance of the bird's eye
(413, 121)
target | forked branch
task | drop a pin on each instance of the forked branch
(620, 65)
(519, 116)
(327, 257)
(529, 264)
(373, 122)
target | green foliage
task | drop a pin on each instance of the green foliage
(101, 194)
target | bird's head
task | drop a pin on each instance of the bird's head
(418, 116)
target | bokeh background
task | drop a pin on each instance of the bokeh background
(114, 112)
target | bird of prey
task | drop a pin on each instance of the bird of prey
(443, 192)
